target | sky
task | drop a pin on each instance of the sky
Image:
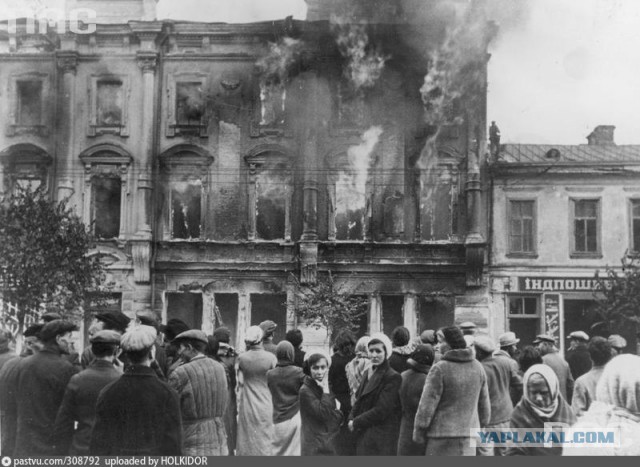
(557, 70)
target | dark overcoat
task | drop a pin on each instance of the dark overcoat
(137, 415)
(376, 413)
(41, 381)
(320, 420)
(8, 405)
(410, 392)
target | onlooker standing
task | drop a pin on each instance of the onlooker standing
(339, 385)
(201, 384)
(284, 382)
(501, 378)
(413, 380)
(170, 330)
(509, 352)
(295, 337)
(105, 321)
(468, 328)
(402, 349)
(541, 404)
(41, 382)
(255, 406)
(226, 355)
(268, 328)
(357, 367)
(319, 413)
(375, 417)
(455, 399)
(584, 391)
(578, 355)
(528, 357)
(138, 414)
(551, 357)
(77, 413)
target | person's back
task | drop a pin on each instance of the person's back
(579, 361)
(562, 371)
(499, 378)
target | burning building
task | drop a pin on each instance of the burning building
(216, 162)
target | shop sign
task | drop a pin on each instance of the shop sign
(557, 284)
(552, 315)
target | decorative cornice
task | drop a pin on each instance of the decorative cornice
(67, 61)
(147, 61)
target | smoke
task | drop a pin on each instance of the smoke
(276, 66)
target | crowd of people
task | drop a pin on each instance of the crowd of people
(145, 388)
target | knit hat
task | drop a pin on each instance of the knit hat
(56, 328)
(138, 337)
(117, 321)
(381, 338)
(173, 327)
(423, 355)
(253, 335)
(484, 343)
(454, 337)
(285, 352)
(222, 334)
(428, 337)
(619, 384)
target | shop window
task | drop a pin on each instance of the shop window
(29, 103)
(524, 318)
(106, 196)
(186, 307)
(392, 315)
(635, 225)
(270, 307)
(186, 209)
(586, 227)
(522, 227)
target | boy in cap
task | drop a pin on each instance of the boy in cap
(201, 383)
(268, 328)
(41, 381)
(137, 414)
(578, 356)
(79, 403)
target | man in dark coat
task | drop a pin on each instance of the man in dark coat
(455, 399)
(578, 356)
(295, 337)
(137, 414)
(79, 404)
(551, 357)
(41, 381)
(105, 321)
(375, 417)
(500, 380)
(509, 352)
(9, 386)
(344, 346)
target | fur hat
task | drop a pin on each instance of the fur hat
(423, 355)
(454, 337)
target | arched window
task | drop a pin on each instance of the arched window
(24, 165)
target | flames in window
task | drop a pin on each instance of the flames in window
(272, 187)
(186, 199)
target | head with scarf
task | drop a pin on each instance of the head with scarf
(285, 353)
(362, 350)
(619, 385)
(253, 337)
(380, 349)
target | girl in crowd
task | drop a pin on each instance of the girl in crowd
(357, 367)
(319, 410)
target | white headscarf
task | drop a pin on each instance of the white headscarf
(619, 384)
(385, 340)
(554, 388)
(254, 335)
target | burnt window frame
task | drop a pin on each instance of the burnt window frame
(94, 127)
(43, 126)
(24, 161)
(634, 203)
(572, 230)
(183, 163)
(256, 162)
(338, 163)
(106, 161)
(511, 251)
(257, 128)
(174, 128)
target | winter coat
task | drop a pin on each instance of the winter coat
(515, 386)
(377, 412)
(5, 357)
(41, 382)
(136, 415)
(202, 387)
(338, 382)
(8, 405)
(562, 371)
(455, 398)
(500, 379)
(320, 420)
(579, 361)
(398, 362)
(410, 392)
(284, 383)
(584, 391)
(79, 405)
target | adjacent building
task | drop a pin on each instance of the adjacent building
(558, 215)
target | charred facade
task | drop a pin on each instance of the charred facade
(214, 161)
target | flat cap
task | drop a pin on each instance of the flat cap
(580, 335)
(173, 327)
(106, 336)
(147, 318)
(192, 334)
(50, 316)
(507, 339)
(468, 325)
(33, 330)
(544, 338)
(617, 341)
(55, 328)
(268, 326)
(118, 321)
(484, 343)
(138, 337)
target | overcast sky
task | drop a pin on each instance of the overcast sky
(566, 67)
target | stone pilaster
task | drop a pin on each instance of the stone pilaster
(67, 62)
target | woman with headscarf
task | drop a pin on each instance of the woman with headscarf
(375, 417)
(255, 406)
(541, 404)
(319, 410)
(402, 349)
(617, 406)
(413, 380)
(357, 367)
(284, 382)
